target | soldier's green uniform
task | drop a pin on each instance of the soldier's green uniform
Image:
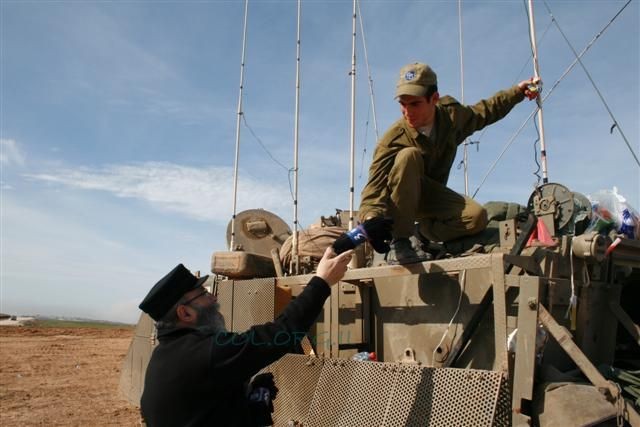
(409, 172)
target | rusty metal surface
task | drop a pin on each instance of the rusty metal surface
(353, 393)
(253, 303)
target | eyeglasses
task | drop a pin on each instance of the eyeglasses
(190, 300)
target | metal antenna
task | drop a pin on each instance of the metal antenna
(232, 241)
(465, 156)
(353, 119)
(366, 61)
(536, 74)
(294, 243)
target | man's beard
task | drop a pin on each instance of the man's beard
(210, 318)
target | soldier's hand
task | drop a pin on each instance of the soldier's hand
(531, 87)
(379, 231)
(332, 267)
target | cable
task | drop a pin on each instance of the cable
(372, 104)
(364, 148)
(463, 282)
(564, 74)
(524, 66)
(276, 161)
(535, 156)
(593, 83)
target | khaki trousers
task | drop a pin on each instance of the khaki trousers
(442, 213)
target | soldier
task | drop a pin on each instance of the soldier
(411, 163)
(198, 374)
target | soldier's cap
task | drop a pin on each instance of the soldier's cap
(415, 80)
(169, 290)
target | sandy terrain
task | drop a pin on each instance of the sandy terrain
(53, 376)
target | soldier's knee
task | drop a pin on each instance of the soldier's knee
(408, 155)
(478, 219)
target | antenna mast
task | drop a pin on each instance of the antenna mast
(294, 243)
(536, 74)
(353, 118)
(232, 241)
(465, 154)
(366, 60)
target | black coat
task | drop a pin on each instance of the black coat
(198, 378)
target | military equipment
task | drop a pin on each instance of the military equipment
(505, 330)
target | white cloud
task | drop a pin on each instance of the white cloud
(200, 193)
(10, 153)
(96, 268)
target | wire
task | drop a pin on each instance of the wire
(524, 66)
(372, 105)
(535, 156)
(463, 282)
(364, 148)
(266, 150)
(555, 85)
(593, 83)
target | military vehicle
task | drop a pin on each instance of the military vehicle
(511, 327)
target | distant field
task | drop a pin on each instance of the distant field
(54, 375)
(54, 323)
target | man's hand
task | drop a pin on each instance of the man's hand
(531, 88)
(332, 267)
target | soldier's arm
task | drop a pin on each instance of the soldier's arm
(470, 118)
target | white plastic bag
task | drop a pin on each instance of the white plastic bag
(611, 211)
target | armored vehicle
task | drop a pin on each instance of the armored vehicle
(533, 322)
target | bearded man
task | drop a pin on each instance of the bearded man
(199, 373)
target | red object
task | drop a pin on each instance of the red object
(541, 236)
(612, 247)
(372, 356)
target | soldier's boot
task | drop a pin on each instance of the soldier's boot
(403, 252)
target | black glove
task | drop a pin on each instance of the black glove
(376, 231)
(262, 393)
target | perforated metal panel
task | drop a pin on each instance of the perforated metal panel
(352, 393)
(253, 303)
(296, 377)
(388, 394)
(502, 416)
(225, 299)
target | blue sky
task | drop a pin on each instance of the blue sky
(117, 122)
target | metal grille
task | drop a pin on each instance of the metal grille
(225, 299)
(388, 394)
(352, 393)
(296, 377)
(503, 407)
(253, 303)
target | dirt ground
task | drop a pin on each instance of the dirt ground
(55, 376)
